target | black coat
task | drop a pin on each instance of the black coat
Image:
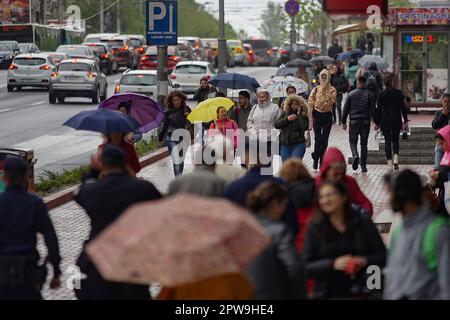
(390, 109)
(277, 273)
(323, 244)
(202, 94)
(174, 119)
(334, 50)
(339, 82)
(440, 120)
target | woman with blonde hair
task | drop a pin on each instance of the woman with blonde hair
(293, 122)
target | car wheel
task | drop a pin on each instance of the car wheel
(10, 88)
(61, 99)
(96, 96)
(105, 94)
(51, 98)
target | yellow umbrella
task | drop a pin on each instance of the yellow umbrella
(206, 111)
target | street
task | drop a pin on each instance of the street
(27, 120)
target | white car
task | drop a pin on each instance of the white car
(138, 81)
(30, 70)
(96, 37)
(187, 75)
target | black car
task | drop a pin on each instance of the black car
(107, 58)
(127, 56)
(8, 51)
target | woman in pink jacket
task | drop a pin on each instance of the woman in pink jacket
(224, 126)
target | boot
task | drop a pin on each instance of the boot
(396, 167)
(315, 162)
(390, 168)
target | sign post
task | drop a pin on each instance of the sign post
(162, 31)
(292, 7)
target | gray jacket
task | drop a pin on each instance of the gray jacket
(407, 275)
(202, 181)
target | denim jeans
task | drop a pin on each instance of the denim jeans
(292, 151)
(359, 128)
(177, 167)
(438, 154)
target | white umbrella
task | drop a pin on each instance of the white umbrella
(367, 60)
(277, 86)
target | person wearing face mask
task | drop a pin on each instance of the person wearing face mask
(334, 169)
(418, 265)
(340, 245)
(320, 105)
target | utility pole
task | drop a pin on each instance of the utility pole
(118, 17)
(61, 12)
(162, 75)
(102, 21)
(292, 54)
(222, 41)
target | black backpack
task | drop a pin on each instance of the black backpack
(371, 82)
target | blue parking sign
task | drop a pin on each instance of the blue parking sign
(162, 22)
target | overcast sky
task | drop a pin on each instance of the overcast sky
(241, 14)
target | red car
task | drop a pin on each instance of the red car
(150, 60)
(251, 57)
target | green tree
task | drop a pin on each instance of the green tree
(274, 24)
(400, 4)
(310, 19)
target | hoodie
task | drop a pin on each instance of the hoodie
(261, 120)
(323, 97)
(334, 155)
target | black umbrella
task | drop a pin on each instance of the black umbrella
(298, 63)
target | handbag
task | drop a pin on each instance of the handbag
(308, 139)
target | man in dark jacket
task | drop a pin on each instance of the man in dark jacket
(361, 42)
(22, 215)
(340, 83)
(204, 91)
(441, 119)
(241, 112)
(360, 106)
(105, 201)
(335, 49)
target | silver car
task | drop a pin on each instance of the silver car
(78, 78)
(30, 70)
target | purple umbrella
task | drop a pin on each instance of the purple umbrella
(147, 112)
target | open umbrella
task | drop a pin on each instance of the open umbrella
(277, 86)
(234, 81)
(147, 112)
(103, 121)
(367, 60)
(206, 111)
(323, 59)
(178, 240)
(351, 54)
(298, 63)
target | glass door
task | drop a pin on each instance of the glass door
(437, 65)
(411, 65)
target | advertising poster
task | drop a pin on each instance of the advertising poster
(14, 11)
(436, 84)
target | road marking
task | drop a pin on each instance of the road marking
(37, 103)
(4, 110)
(3, 86)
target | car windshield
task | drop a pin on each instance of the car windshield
(92, 40)
(153, 51)
(98, 49)
(6, 47)
(115, 43)
(25, 48)
(190, 69)
(138, 80)
(74, 67)
(73, 50)
(233, 43)
(135, 43)
(29, 61)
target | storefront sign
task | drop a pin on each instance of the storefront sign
(418, 38)
(14, 11)
(420, 16)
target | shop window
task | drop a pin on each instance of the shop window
(412, 85)
(437, 65)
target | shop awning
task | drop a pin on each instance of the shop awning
(346, 28)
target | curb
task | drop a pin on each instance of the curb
(64, 196)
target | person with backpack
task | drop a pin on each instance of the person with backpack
(374, 82)
(418, 265)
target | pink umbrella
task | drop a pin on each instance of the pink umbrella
(178, 240)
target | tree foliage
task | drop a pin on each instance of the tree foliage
(274, 24)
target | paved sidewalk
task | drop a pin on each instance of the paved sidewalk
(72, 225)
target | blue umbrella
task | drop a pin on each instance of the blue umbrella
(234, 81)
(103, 121)
(352, 54)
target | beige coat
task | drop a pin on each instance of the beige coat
(323, 97)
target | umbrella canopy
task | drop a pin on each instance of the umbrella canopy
(277, 86)
(206, 111)
(297, 63)
(234, 81)
(352, 54)
(367, 60)
(323, 59)
(103, 121)
(147, 112)
(178, 240)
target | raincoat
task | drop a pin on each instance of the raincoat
(334, 155)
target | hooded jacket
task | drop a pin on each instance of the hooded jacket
(445, 133)
(261, 119)
(323, 97)
(334, 155)
(293, 132)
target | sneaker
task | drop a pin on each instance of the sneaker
(355, 163)
(364, 168)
